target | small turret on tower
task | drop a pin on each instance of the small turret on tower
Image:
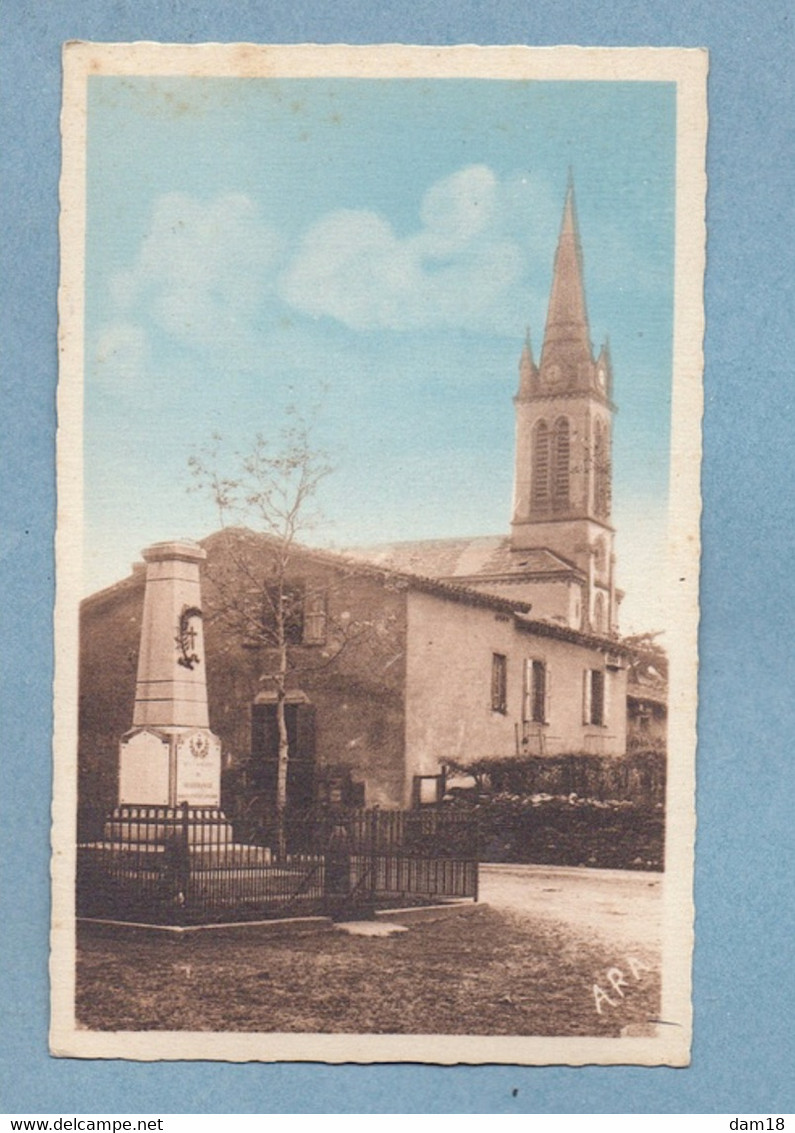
(528, 371)
(604, 370)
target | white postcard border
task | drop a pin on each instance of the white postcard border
(688, 69)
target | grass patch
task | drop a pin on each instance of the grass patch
(486, 973)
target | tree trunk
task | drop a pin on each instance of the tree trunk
(284, 755)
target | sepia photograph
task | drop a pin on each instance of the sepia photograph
(380, 396)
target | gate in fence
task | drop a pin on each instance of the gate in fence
(191, 866)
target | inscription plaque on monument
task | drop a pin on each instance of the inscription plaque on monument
(144, 769)
(198, 769)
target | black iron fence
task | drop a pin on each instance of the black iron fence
(437, 832)
(189, 865)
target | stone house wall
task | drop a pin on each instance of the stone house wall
(448, 689)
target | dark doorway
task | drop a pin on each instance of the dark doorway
(300, 721)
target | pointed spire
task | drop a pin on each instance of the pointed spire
(566, 338)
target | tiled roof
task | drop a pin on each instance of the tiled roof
(576, 636)
(338, 560)
(492, 549)
(483, 556)
(415, 579)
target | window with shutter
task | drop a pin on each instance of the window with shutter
(291, 600)
(499, 682)
(594, 705)
(315, 617)
(586, 696)
(535, 698)
(538, 672)
(597, 697)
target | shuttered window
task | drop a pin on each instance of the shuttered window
(499, 682)
(535, 703)
(315, 617)
(593, 698)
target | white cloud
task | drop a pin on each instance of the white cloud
(457, 209)
(460, 268)
(203, 269)
(206, 275)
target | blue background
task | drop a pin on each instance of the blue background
(742, 1057)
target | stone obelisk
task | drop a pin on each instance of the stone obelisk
(170, 757)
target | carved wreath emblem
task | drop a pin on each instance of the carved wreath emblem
(186, 638)
(199, 745)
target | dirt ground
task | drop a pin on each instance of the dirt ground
(528, 964)
(620, 907)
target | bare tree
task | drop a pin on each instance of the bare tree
(272, 492)
(267, 504)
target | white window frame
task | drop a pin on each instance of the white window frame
(499, 683)
(587, 698)
(529, 694)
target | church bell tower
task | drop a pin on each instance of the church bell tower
(564, 416)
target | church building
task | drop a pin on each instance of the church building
(559, 555)
(409, 657)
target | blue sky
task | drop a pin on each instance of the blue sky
(250, 241)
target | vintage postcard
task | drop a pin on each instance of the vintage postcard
(378, 551)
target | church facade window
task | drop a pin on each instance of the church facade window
(551, 472)
(499, 683)
(541, 461)
(560, 481)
